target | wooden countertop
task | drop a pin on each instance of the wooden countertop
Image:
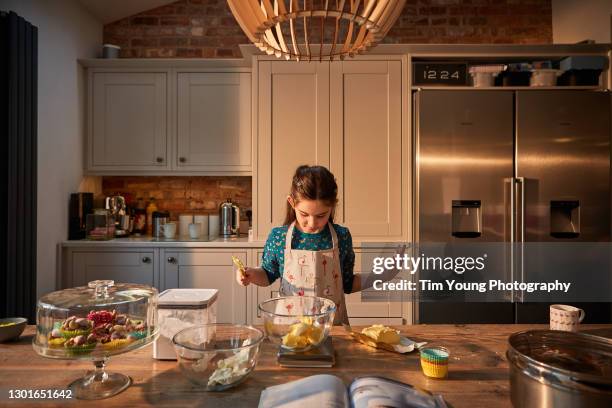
(478, 370)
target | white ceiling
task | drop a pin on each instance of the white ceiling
(108, 11)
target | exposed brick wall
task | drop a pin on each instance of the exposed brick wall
(196, 195)
(207, 29)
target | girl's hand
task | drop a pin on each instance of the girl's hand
(245, 276)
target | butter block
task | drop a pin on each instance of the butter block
(382, 334)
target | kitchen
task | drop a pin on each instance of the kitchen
(187, 69)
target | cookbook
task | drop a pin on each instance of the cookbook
(325, 390)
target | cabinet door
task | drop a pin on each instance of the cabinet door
(293, 129)
(210, 269)
(128, 121)
(122, 267)
(214, 122)
(366, 147)
(378, 308)
(261, 293)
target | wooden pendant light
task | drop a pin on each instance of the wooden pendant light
(315, 29)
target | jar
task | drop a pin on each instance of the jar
(100, 225)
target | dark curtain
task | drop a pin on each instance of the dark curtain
(18, 121)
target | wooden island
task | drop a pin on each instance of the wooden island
(478, 370)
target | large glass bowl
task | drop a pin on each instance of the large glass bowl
(297, 323)
(217, 356)
(93, 323)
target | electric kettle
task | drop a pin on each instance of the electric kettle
(229, 216)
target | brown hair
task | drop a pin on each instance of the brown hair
(312, 183)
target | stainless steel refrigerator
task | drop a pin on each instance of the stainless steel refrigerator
(533, 165)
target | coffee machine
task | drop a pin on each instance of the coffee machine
(80, 205)
(118, 210)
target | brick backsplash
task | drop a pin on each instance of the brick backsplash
(207, 29)
(196, 195)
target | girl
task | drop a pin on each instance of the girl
(309, 253)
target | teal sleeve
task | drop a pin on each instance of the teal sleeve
(270, 258)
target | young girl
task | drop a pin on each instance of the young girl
(309, 253)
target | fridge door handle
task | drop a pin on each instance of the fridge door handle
(519, 228)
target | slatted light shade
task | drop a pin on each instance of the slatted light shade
(315, 29)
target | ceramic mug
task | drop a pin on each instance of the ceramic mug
(169, 229)
(565, 317)
(195, 230)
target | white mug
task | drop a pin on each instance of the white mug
(195, 229)
(169, 229)
(565, 317)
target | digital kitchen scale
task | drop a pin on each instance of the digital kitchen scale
(321, 356)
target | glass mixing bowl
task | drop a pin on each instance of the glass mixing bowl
(297, 323)
(217, 356)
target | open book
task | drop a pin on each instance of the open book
(328, 391)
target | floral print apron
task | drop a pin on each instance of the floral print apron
(314, 273)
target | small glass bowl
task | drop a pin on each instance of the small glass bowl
(217, 356)
(297, 323)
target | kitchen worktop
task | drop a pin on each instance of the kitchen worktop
(478, 370)
(147, 241)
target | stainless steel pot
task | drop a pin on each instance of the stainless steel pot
(560, 369)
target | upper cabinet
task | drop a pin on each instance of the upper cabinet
(214, 121)
(347, 116)
(129, 121)
(172, 122)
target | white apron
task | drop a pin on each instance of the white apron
(314, 273)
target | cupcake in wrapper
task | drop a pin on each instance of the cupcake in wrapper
(434, 361)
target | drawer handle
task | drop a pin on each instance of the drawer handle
(160, 159)
(146, 259)
(182, 159)
(171, 259)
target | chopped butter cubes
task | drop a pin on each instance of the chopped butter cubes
(382, 334)
(303, 334)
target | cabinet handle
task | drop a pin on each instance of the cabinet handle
(182, 159)
(171, 259)
(160, 159)
(146, 259)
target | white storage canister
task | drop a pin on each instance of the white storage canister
(179, 309)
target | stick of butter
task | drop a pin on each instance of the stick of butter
(382, 334)
(239, 265)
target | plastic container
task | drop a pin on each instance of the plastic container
(179, 309)
(297, 323)
(544, 77)
(217, 356)
(513, 78)
(580, 77)
(434, 361)
(93, 323)
(100, 225)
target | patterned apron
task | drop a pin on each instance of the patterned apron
(314, 273)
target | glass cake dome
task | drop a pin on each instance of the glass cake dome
(95, 322)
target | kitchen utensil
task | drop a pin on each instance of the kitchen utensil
(229, 215)
(100, 225)
(95, 322)
(195, 230)
(217, 356)
(434, 361)
(559, 369)
(239, 265)
(159, 218)
(297, 322)
(213, 226)
(169, 230)
(179, 309)
(203, 220)
(544, 77)
(81, 204)
(184, 221)
(565, 317)
(11, 328)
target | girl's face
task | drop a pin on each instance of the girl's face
(311, 215)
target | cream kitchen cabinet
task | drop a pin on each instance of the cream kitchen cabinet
(260, 293)
(210, 269)
(174, 122)
(214, 121)
(346, 115)
(126, 266)
(128, 121)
